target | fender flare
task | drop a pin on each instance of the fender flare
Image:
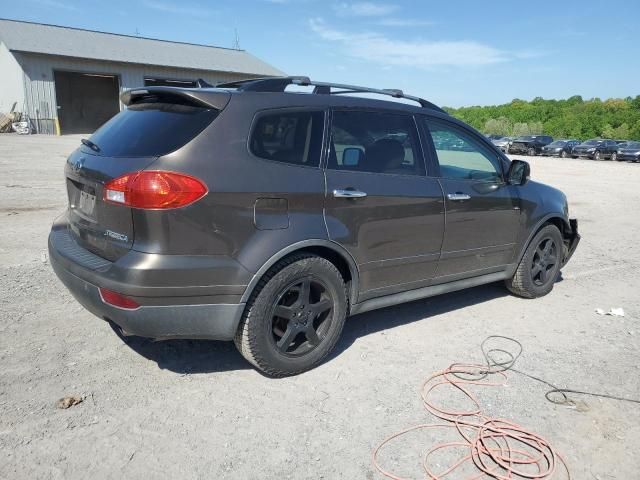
(336, 247)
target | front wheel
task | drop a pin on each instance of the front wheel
(531, 152)
(614, 157)
(596, 156)
(295, 317)
(539, 267)
(563, 154)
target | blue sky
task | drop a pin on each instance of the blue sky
(453, 53)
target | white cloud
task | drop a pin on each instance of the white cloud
(377, 48)
(364, 9)
(403, 22)
(178, 8)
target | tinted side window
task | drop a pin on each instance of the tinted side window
(289, 137)
(375, 142)
(462, 156)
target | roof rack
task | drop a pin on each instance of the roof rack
(279, 84)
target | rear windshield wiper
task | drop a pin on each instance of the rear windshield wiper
(90, 144)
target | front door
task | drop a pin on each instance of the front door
(482, 210)
(379, 203)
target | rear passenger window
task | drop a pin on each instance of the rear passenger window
(375, 142)
(289, 137)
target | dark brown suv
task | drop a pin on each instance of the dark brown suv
(252, 213)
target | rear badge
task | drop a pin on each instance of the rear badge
(116, 235)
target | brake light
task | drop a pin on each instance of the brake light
(117, 299)
(154, 189)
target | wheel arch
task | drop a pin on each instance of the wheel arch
(556, 219)
(327, 249)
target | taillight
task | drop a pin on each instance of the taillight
(154, 189)
(117, 299)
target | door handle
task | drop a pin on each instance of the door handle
(348, 193)
(457, 197)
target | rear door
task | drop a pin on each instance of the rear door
(379, 203)
(482, 211)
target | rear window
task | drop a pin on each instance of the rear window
(151, 128)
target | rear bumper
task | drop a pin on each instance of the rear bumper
(208, 312)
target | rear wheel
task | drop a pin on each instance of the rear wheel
(539, 267)
(295, 317)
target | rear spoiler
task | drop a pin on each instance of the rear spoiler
(209, 98)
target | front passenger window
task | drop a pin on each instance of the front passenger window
(460, 155)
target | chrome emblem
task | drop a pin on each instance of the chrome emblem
(78, 165)
(116, 235)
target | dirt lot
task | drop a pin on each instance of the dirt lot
(193, 409)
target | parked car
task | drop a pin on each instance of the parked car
(629, 151)
(596, 149)
(503, 143)
(530, 144)
(559, 148)
(267, 218)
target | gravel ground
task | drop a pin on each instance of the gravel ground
(194, 409)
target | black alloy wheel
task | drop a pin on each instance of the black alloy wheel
(301, 317)
(544, 262)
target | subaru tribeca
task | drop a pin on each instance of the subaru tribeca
(250, 213)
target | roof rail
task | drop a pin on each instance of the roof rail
(279, 84)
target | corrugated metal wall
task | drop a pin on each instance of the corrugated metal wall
(40, 92)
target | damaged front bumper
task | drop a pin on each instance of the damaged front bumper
(572, 238)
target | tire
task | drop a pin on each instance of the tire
(531, 152)
(596, 155)
(311, 294)
(563, 154)
(614, 157)
(537, 273)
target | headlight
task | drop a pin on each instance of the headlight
(591, 150)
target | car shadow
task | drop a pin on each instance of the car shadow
(208, 356)
(386, 318)
(186, 356)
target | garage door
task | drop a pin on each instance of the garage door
(85, 101)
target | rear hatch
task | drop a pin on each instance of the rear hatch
(157, 121)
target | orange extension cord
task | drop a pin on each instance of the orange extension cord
(498, 448)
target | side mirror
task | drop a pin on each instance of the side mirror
(519, 172)
(351, 157)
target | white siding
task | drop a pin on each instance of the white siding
(40, 94)
(11, 82)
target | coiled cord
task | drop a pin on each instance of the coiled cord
(497, 447)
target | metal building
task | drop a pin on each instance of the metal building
(68, 80)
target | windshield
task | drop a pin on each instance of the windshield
(525, 138)
(558, 143)
(592, 142)
(632, 145)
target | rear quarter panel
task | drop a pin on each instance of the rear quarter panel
(223, 222)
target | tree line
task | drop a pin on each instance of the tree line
(617, 118)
